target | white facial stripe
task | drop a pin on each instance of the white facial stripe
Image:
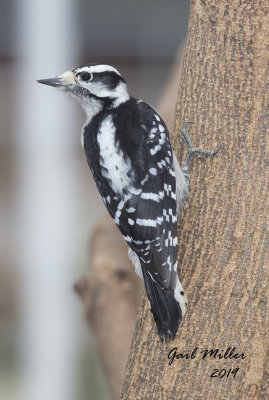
(68, 77)
(99, 68)
(120, 93)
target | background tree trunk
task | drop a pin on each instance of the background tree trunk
(110, 295)
(223, 235)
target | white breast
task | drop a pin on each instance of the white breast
(115, 166)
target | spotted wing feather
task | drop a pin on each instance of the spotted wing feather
(146, 213)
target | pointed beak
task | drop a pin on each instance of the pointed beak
(63, 81)
(55, 82)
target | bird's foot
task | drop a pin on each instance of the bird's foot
(194, 151)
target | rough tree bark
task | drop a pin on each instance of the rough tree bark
(223, 236)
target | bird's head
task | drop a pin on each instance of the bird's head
(93, 83)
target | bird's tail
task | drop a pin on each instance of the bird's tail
(167, 306)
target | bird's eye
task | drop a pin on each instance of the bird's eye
(86, 76)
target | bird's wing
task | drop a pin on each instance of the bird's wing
(146, 214)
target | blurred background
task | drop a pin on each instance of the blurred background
(48, 201)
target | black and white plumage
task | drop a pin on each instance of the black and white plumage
(142, 185)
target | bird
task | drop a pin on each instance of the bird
(139, 178)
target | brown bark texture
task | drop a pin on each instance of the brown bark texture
(166, 106)
(110, 296)
(223, 235)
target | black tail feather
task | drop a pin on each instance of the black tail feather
(164, 307)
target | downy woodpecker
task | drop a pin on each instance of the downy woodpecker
(139, 178)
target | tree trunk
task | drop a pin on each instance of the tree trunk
(223, 235)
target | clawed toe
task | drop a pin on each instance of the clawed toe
(194, 151)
